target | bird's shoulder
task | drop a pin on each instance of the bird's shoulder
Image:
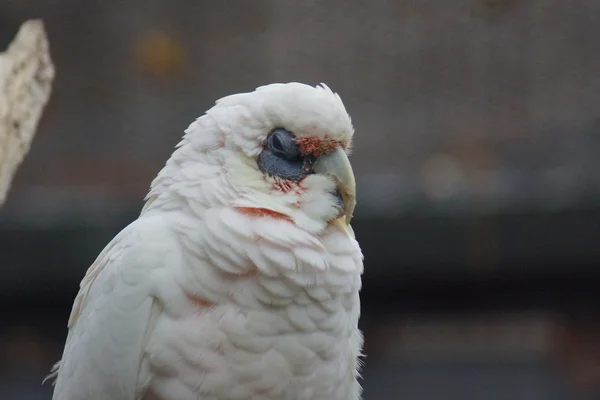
(141, 246)
(111, 317)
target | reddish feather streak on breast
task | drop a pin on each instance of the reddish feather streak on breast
(262, 213)
(202, 303)
(318, 146)
(251, 274)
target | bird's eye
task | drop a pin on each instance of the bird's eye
(283, 144)
(276, 143)
(281, 157)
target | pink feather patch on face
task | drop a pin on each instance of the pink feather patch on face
(318, 146)
(284, 185)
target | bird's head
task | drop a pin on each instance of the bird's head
(279, 151)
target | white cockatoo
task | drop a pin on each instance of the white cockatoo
(240, 279)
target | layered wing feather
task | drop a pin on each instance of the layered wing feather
(112, 316)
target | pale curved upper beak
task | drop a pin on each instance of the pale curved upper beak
(337, 165)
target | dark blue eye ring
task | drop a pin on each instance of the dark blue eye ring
(281, 157)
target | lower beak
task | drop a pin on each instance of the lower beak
(337, 166)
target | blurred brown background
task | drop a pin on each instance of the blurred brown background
(477, 156)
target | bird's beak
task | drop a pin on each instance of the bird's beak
(337, 165)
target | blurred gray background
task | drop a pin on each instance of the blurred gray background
(477, 156)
